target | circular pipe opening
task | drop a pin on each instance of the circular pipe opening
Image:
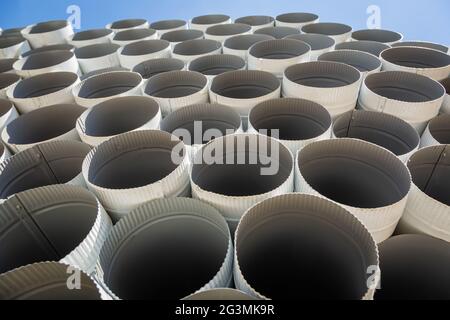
(55, 162)
(362, 61)
(381, 129)
(150, 68)
(175, 84)
(416, 57)
(179, 246)
(279, 49)
(315, 41)
(414, 267)
(8, 79)
(377, 35)
(322, 74)
(33, 127)
(214, 118)
(241, 180)
(56, 47)
(403, 86)
(133, 35)
(101, 71)
(196, 47)
(145, 157)
(278, 32)
(5, 107)
(108, 85)
(277, 236)
(6, 65)
(245, 41)
(440, 128)
(182, 35)
(49, 26)
(91, 34)
(429, 171)
(167, 24)
(255, 21)
(96, 50)
(297, 18)
(44, 60)
(128, 24)
(295, 119)
(422, 44)
(10, 41)
(327, 28)
(446, 84)
(62, 218)
(244, 84)
(144, 47)
(372, 47)
(217, 64)
(120, 115)
(354, 173)
(210, 19)
(229, 29)
(12, 31)
(44, 84)
(45, 281)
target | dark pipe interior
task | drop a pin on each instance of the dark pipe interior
(330, 29)
(46, 59)
(175, 84)
(315, 41)
(57, 163)
(196, 47)
(278, 32)
(440, 128)
(242, 179)
(297, 17)
(290, 254)
(120, 115)
(372, 47)
(294, 120)
(228, 29)
(414, 267)
(144, 47)
(7, 79)
(360, 60)
(430, 170)
(150, 68)
(279, 49)
(383, 36)
(244, 84)
(211, 19)
(322, 74)
(128, 23)
(56, 47)
(5, 106)
(245, 41)
(403, 86)
(96, 50)
(109, 84)
(216, 64)
(382, 129)
(48, 234)
(6, 65)
(44, 84)
(34, 127)
(177, 256)
(182, 35)
(355, 178)
(9, 41)
(91, 34)
(48, 26)
(416, 57)
(133, 34)
(141, 164)
(167, 24)
(421, 44)
(255, 20)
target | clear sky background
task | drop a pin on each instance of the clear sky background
(416, 19)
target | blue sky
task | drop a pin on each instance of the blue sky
(417, 20)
